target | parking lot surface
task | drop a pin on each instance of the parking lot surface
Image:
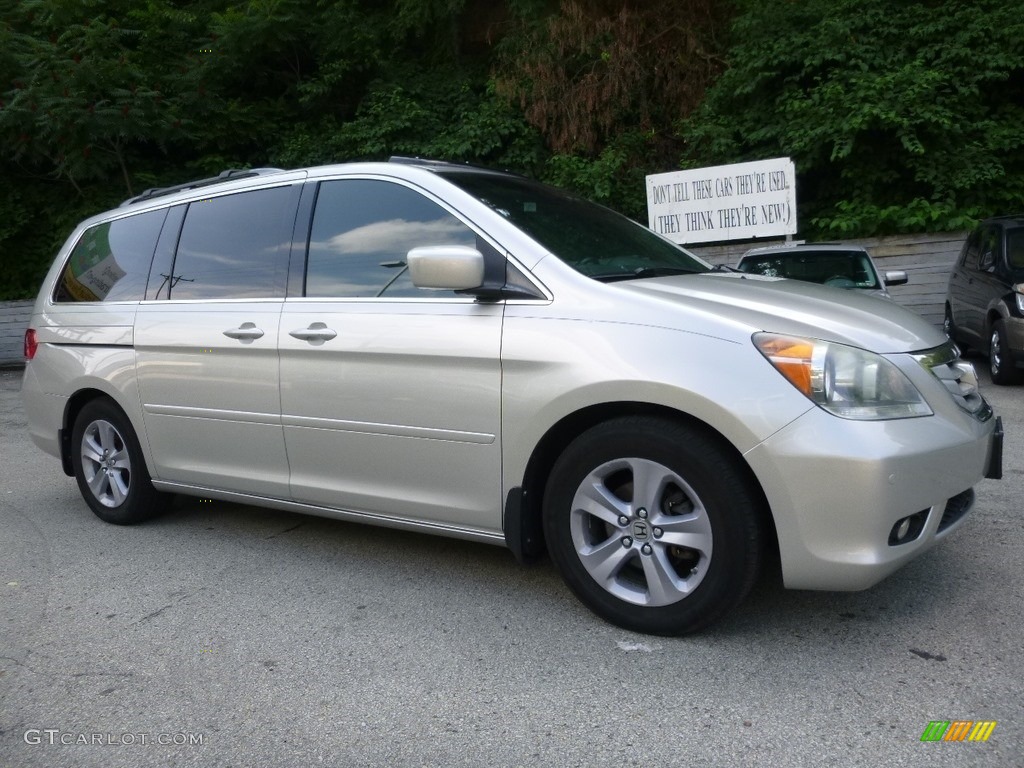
(226, 635)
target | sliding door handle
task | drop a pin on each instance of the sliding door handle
(315, 332)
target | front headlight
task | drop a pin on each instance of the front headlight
(846, 381)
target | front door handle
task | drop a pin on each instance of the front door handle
(315, 332)
(244, 332)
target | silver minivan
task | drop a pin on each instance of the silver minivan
(469, 353)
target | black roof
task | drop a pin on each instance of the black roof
(1016, 219)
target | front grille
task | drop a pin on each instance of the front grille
(956, 507)
(958, 377)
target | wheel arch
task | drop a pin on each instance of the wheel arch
(523, 527)
(998, 309)
(72, 408)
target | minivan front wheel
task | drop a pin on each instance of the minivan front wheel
(999, 363)
(109, 466)
(652, 525)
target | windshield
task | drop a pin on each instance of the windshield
(593, 240)
(842, 269)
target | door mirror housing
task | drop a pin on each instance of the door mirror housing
(446, 267)
(896, 277)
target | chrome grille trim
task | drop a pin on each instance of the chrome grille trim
(959, 378)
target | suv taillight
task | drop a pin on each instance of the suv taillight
(31, 345)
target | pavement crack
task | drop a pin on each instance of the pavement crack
(154, 614)
(286, 530)
(928, 656)
(158, 611)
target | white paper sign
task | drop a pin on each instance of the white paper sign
(726, 202)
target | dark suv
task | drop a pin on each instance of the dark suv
(985, 297)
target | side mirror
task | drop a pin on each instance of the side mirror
(446, 267)
(988, 261)
(896, 277)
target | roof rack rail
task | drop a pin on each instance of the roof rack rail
(403, 160)
(229, 175)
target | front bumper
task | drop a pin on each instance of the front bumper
(839, 490)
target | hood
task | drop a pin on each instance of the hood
(797, 308)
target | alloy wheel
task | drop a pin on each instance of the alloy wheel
(641, 532)
(105, 463)
(995, 357)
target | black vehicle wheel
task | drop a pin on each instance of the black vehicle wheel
(949, 327)
(653, 526)
(109, 466)
(1000, 364)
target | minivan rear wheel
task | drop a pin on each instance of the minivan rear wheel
(109, 466)
(653, 525)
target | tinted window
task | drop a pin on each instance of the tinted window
(362, 231)
(111, 260)
(1015, 250)
(234, 247)
(972, 250)
(850, 268)
(991, 248)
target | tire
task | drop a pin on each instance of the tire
(1000, 363)
(109, 466)
(949, 327)
(624, 556)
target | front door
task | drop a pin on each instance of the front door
(390, 395)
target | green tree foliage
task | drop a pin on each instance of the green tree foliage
(87, 88)
(604, 82)
(100, 99)
(900, 116)
(93, 96)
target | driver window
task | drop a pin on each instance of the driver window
(1015, 248)
(363, 229)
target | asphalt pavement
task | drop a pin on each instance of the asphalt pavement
(226, 635)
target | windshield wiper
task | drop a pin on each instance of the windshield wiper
(639, 272)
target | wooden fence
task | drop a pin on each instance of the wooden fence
(927, 260)
(14, 317)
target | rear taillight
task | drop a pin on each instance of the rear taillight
(31, 345)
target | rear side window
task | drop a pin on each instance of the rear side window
(111, 260)
(972, 250)
(234, 247)
(991, 248)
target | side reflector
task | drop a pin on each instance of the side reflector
(31, 345)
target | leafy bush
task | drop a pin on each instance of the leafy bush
(899, 116)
